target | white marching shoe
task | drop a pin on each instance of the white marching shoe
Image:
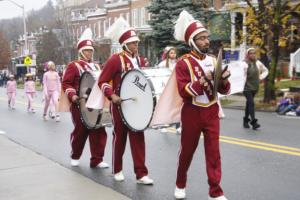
(103, 165)
(179, 193)
(57, 118)
(145, 180)
(119, 176)
(74, 163)
(45, 118)
(217, 198)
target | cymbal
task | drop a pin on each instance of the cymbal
(218, 73)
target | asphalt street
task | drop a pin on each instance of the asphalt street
(256, 165)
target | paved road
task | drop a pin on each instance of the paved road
(257, 165)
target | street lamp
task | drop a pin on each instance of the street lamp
(24, 22)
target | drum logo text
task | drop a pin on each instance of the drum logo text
(138, 84)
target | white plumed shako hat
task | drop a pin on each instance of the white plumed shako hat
(121, 31)
(186, 27)
(86, 40)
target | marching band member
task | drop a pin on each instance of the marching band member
(70, 85)
(109, 82)
(11, 88)
(169, 58)
(30, 91)
(51, 88)
(169, 61)
(200, 109)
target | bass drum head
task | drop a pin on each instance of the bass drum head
(89, 117)
(137, 113)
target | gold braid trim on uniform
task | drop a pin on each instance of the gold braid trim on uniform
(121, 55)
(185, 56)
(193, 77)
(187, 89)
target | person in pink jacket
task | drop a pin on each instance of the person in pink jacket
(52, 86)
(30, 91)
(11, 87)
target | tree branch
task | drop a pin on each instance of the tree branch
(251, 6)
(290, 11)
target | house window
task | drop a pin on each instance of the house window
(109, 22)
(95, 25)
(99, 29)
(136, 18)
(133, 17)
(143, 20)
(104, 26)
(127, 17)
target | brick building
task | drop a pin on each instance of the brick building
(99, 15)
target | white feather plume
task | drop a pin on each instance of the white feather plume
(115, 31)
(181, 24)
(86, 35)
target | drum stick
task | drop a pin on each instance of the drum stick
(132, 99)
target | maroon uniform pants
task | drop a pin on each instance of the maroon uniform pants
(194, 121)
(137, 145)
(97, 139)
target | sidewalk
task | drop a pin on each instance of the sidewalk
(25, 175)
(237, 101)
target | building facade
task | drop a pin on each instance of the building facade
(99, 16)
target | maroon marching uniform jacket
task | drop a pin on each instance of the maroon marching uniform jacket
(71, 77)
(188, 70)
(110, 77)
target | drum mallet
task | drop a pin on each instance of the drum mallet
(132, 99)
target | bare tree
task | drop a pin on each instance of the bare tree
(4, 51)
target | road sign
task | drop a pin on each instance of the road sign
(27, 60)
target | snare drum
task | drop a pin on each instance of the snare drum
(91, 118)
(137, 93)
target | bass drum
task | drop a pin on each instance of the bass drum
(137, 93)
(91, 118)
(159, 78)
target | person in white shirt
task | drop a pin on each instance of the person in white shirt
(255, 71)
(169, 58)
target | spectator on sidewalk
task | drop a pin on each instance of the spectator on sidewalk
(290, 105)
(255, 71)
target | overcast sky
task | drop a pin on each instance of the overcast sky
(9, 10)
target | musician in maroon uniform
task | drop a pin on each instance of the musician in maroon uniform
(194, 75)
(109, 82)
(70, 85)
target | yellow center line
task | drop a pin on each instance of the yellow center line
(260, 143)
(261, 147)
(231, 140)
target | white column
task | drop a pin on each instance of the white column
(232, 38)
(244, 43)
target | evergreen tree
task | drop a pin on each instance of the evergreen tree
(164, 13)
